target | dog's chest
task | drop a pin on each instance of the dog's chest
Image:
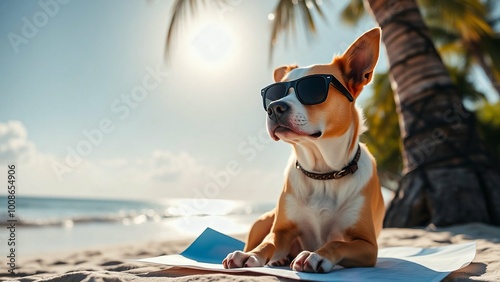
(323, 211)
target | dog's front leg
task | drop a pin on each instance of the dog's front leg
(274, 249)
(356, 253)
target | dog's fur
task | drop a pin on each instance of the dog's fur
(322, 223)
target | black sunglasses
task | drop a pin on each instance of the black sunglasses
(310, 90)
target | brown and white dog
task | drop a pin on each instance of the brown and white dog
(331, 208)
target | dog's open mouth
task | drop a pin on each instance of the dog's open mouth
(285, 130)
(282, 129)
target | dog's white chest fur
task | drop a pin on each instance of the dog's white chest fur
(323, 210)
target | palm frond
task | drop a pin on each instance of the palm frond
(178, 16)
(442, 35)
(466, 17)
(308, 19)
(353, 12)
(383, 132)
(466, 24)
(488, 117)
(463, 82)
(490, 46)
(285, 17)
(487, 55)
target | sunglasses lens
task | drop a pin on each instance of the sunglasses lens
(312, 90)
(273, 93)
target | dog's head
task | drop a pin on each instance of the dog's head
(319, 107)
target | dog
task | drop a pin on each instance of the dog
(331, 209)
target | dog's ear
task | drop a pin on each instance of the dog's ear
(360, 59)
(280, 72)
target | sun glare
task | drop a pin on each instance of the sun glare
(211, 43)
(208, 52)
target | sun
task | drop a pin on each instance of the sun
(211, 43)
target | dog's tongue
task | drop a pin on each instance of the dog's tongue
(278, 129)
(282, 130)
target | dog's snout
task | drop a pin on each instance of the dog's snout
(277, 109)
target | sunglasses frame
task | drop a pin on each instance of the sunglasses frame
(328, 78)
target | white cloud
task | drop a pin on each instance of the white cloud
(169, 166)
(162, 174)
(117, 162)
(14, 144)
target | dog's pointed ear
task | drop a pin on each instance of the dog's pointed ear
(280, 72)
(360, 59)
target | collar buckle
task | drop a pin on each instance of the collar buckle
(340, 173)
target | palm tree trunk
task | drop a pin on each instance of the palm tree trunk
(449, 177)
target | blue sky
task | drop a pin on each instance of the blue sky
(193, 126)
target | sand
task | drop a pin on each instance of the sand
(113, 264)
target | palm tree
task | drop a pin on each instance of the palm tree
(450, 33)
(466, 29)
(460, 29)
(383, 136)
(449, 177)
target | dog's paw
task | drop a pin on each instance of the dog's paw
(311, 262)
(241, 259)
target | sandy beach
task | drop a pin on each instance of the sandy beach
(114, 263)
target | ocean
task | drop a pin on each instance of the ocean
(50, 225)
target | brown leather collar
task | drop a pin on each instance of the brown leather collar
(351, 168)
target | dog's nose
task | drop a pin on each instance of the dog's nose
(277, 109)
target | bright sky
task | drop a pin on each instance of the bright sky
(89, 109)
